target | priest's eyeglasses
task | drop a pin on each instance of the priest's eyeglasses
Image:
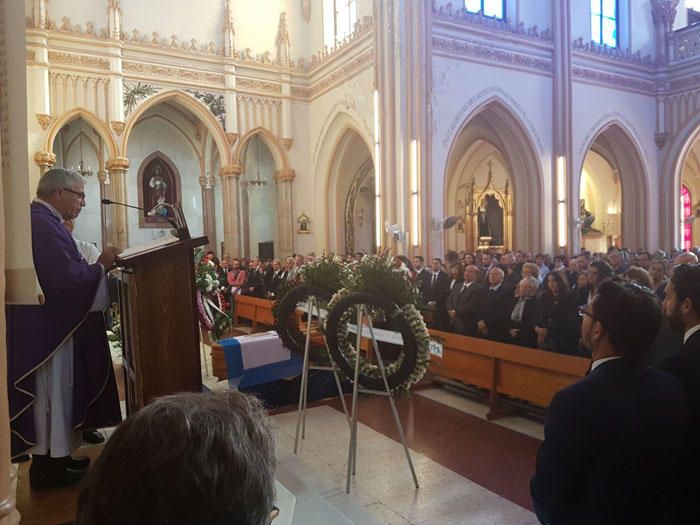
(78, 193)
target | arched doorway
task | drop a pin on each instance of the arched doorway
(79, 146)
(600, 204)
(494, 184)
(351, 206)
(689, 199)
(613, 164)
(258, 190)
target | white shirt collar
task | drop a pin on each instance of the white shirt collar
(494, 288)
(690, 332)
(53, 210)
(599, 362)
(468, 284)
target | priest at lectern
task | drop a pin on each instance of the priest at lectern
(60, 374)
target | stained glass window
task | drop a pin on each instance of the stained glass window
(604, 22)
(339, 17)
(686, 225)
(493, 8)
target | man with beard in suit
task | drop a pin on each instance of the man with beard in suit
(465, 302)
(423, 275)
(612, 441)
(494, 312)
(682, 308)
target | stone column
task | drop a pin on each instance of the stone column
(118, 231)
(230, 176)
(562, 112)
(285, 216)
(209, 211)
(15, 229)
(45, 160)
(663, 13)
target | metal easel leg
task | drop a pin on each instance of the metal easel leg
(352, 449)
(397, 419)
(303, 387)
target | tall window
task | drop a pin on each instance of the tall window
(492, 8)
(686, 225)
(604, 22)
(339, 17)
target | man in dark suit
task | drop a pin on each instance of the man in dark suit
(682, 309)
(423, 275)
(612, 440)
(493, 322)
(278, 276)
(256, 274)
(464, 303)
(437, 291)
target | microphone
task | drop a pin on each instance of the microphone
(107, 201)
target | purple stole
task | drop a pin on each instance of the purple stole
(36, 332)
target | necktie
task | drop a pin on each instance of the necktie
(434, 279)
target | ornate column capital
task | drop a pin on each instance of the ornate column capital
(664, 11)
(45, 159)
(230, 170)
(118, 163)
(44, 120)
(284, 175)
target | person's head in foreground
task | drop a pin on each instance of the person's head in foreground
(185, 459)
(622, 320)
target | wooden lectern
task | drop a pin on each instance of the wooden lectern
(159, 322)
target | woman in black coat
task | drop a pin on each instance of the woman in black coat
(558, 328)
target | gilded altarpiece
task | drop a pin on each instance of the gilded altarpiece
(487, 214)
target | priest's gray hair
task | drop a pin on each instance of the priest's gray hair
(57, 179)
(498, 270)
(531, 283)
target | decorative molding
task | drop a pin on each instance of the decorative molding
(284, 56)
(362, 27)
(661, 139)
(118, 164)
(56, 57)
(118, 127)
(479, 21)
(611, 118)
(288, 143)
(612, 53)
(300, 92)
(496, 93)
(686, 43)
(44, 120)
(646, 87)
(343, 73)
(232, 138)
(172, 73)
(491, 54)
(230, 170)
(685, 83)
(284, 175)
(45, 159)
(31, 55)
(258, 85)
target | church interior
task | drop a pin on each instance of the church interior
(288, 131)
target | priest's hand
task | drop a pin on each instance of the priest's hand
(107, 257)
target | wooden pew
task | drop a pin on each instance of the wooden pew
(255, 309)
(524, 373)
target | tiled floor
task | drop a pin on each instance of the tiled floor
(383, 481)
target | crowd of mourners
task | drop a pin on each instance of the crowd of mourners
(512, 297)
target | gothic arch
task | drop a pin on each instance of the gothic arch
(670, 180)
(496, 123)
(279, 154)
(93, 120)
(614, 142)
(189, 102)
(334, 144)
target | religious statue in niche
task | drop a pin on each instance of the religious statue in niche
(587, 219)
(158, 184)
(490, 220)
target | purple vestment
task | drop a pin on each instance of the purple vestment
(35, 333)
